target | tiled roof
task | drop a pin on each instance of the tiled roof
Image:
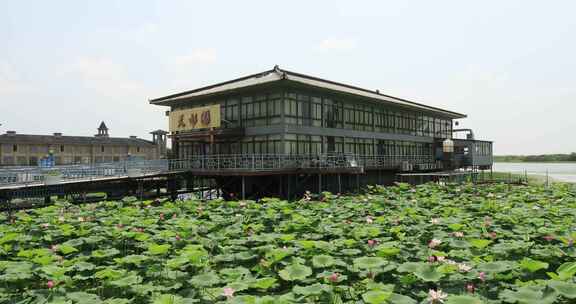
(72, 140)
(278, 74)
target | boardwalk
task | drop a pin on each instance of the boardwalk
(82, 179)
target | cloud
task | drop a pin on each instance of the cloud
(104, 76)
(198, 56)
(333, 44)
(150, 28)
(11, 81)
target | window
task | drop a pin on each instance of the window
(137, 149)
(62, 148)
(14, 148)
(102, 149)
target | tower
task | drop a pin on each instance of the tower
(102, 130)
(159, 139)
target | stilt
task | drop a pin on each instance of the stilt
(339, 183)
(243, 188)
(319, 183)
(280, 190)
(288, 193)
(171, 186)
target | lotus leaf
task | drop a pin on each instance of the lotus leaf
(376, 296)
(566, 289)
(322, 261)
(295, 272)
(206, 279)
(532, 265)
(369, 262)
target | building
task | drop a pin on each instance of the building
(27, 150)
(289, 114)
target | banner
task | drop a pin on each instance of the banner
(195, 118)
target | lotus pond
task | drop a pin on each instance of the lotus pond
(400, 245)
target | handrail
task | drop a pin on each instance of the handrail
(218, 162)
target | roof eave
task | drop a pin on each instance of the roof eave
(301, 78)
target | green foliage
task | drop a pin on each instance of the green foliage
(537, 158)
(520, 238)
(295, 272)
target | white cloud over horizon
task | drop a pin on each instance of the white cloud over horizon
(197, 56)
(508, 66)
(340, 44)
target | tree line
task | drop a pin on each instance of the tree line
(537, 158)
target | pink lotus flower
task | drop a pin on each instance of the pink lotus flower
(333, 277)
(242, 204)
(435, 221)
(81, 219)
(482, 276)
(45, 225)
(162, 216)
(434, 243)
(228, 292)
(174, 215)
(431, 259)
(369, 220)
(436, 296)
(440, 258)
(372, 243)
(487, 221)
(549, 238)
(53, 248)
(459, 234)
(120, 226)
(50, 284)
(470, 288)
(178, 237)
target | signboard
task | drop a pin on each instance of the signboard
(195, 118)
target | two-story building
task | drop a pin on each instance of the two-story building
(27, 150)
(286, 114)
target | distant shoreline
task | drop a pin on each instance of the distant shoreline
(535, 161)
(542, 158)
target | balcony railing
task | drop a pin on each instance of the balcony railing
(217, 163)
(271, 162)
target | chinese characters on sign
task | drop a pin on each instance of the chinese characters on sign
(195, 118)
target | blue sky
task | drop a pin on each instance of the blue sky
(67, 65)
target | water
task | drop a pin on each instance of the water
(565, 172)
